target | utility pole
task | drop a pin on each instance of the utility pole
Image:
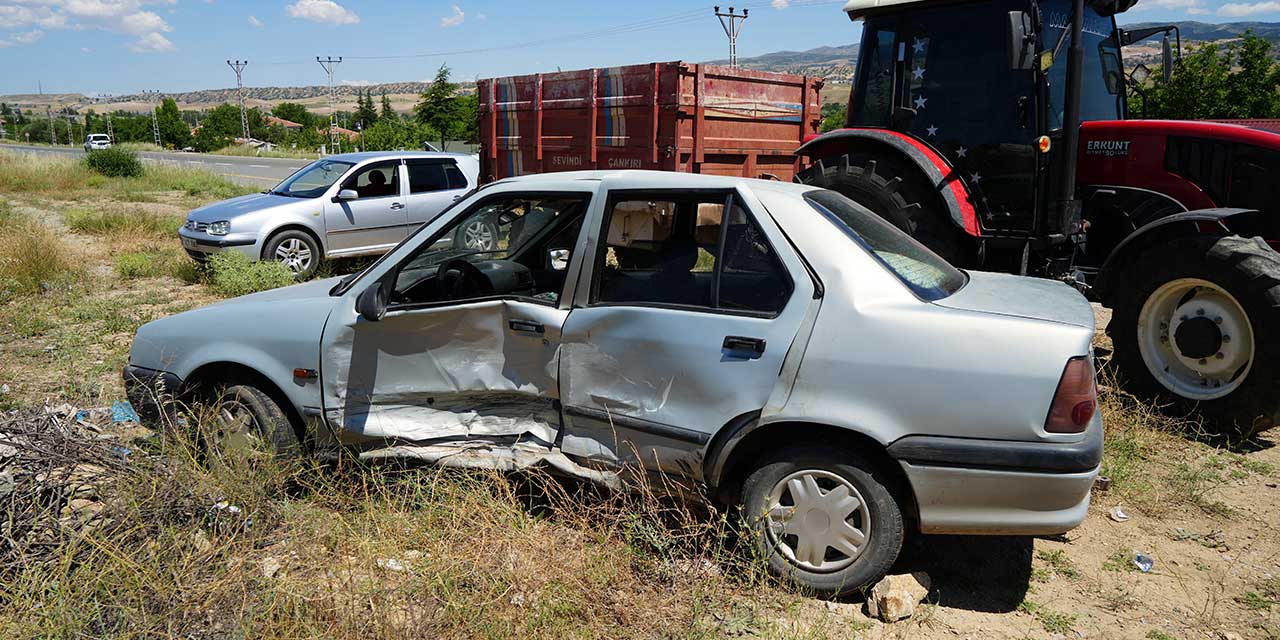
(330, 65)
(732, 24)
(238, 66)
(155, 120)
(53, 136)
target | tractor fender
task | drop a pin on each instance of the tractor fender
(950, 188)
(1153, 232)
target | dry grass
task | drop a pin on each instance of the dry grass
(67, 179)
(33, 259)
(118, 222)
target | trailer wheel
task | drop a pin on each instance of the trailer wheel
(1193, 324)
(892, 191)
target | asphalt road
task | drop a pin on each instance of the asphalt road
(255, 172)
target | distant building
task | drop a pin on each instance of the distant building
(288, 125)
(1266, 124)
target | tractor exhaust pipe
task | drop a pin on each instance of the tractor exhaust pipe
(1068, 206)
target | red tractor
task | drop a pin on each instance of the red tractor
(973, 130)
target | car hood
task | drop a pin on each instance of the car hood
(1036, 298)
(228, 209)
(313, 289)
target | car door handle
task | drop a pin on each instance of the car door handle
(741, 344)
(526, 326)
(457, 197)
(397, 205)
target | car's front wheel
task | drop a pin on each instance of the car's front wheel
(823, 519)
(242, 417)
(296, 250)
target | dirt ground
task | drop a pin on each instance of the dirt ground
(1208, 517)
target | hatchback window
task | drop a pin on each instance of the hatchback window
(378, 180)
(926, 274)
(683, 250)
(426, 176)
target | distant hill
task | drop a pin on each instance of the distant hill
(1203, 31)
(832, 63)
(283, 94)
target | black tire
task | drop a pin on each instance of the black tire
(266, 421)
(893, 191)
(869, 479)
(481, 235)
(290, 235)
(1248, 270)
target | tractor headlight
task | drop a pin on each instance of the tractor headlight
(220, 228)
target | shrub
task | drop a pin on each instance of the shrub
(115, 162)
(33, 259)
(234, 274)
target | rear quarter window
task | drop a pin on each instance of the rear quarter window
(921, 270)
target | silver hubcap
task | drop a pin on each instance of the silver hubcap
(478, 235)
(817, 520)
(234, 428)
(295, 254)
(1195, 339)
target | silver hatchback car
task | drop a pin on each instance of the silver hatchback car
(778, 343)
(344, 205)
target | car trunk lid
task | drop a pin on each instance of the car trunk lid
(1023, 297)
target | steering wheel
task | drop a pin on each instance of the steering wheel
(459, 279)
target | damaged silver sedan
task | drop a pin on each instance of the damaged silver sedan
(776, 342)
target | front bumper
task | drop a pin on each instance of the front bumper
(152, 394)
(199, 245)
(998, 487)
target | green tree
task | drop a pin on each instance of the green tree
(438, 107)
(388, 113)
(294, 112)
(366, 114)
(1239, 80)
(833, 117)
(174, 132)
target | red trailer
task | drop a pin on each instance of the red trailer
(671, 116)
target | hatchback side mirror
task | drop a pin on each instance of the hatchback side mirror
(559, 259)
(347, 195)
(372, 302)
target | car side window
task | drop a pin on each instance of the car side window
(426, 176)
(456, 178)
(377, 180)
(509, 245)
(683, 250)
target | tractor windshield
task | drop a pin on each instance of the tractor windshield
(1102, 87)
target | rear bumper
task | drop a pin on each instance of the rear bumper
(970, 486)
(151, 393)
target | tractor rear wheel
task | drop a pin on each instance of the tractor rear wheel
(893, 191)
(1192, 325)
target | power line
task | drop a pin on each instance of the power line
(732, 24)
(330, 65)
(238, 66)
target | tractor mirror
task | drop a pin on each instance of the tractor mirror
(1166, 57)
(1021, 45)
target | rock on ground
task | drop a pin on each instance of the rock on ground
(896, 597)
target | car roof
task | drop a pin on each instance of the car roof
(647, 179)
(361, 156)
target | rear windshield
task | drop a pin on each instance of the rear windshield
(928, 276)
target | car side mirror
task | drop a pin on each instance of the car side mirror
(1021, 41)
(372, 302)
(559, 259)
(347, 195)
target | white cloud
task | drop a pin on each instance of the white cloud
(1197, 11)
(1242, 9)
(119, 16)
(356, 83)
(28, 37)
(454, 19)
(321, 11)
(86, 50)
(151, 43)
(255, 22)
(1189, 6)
(780, 4)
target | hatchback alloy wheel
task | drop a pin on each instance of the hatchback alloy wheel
(295, 254)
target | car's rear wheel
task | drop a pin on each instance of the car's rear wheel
(478, 234)
(824, 520)
(1190, 328)
(296, 250)
(243, 418)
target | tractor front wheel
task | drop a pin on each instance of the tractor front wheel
(1192, 325)
(893, 191)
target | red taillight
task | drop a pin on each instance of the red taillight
(1075, 400)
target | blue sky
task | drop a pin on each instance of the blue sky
(123, 46)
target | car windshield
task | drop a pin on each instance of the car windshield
(312, 180)
(927, 275)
